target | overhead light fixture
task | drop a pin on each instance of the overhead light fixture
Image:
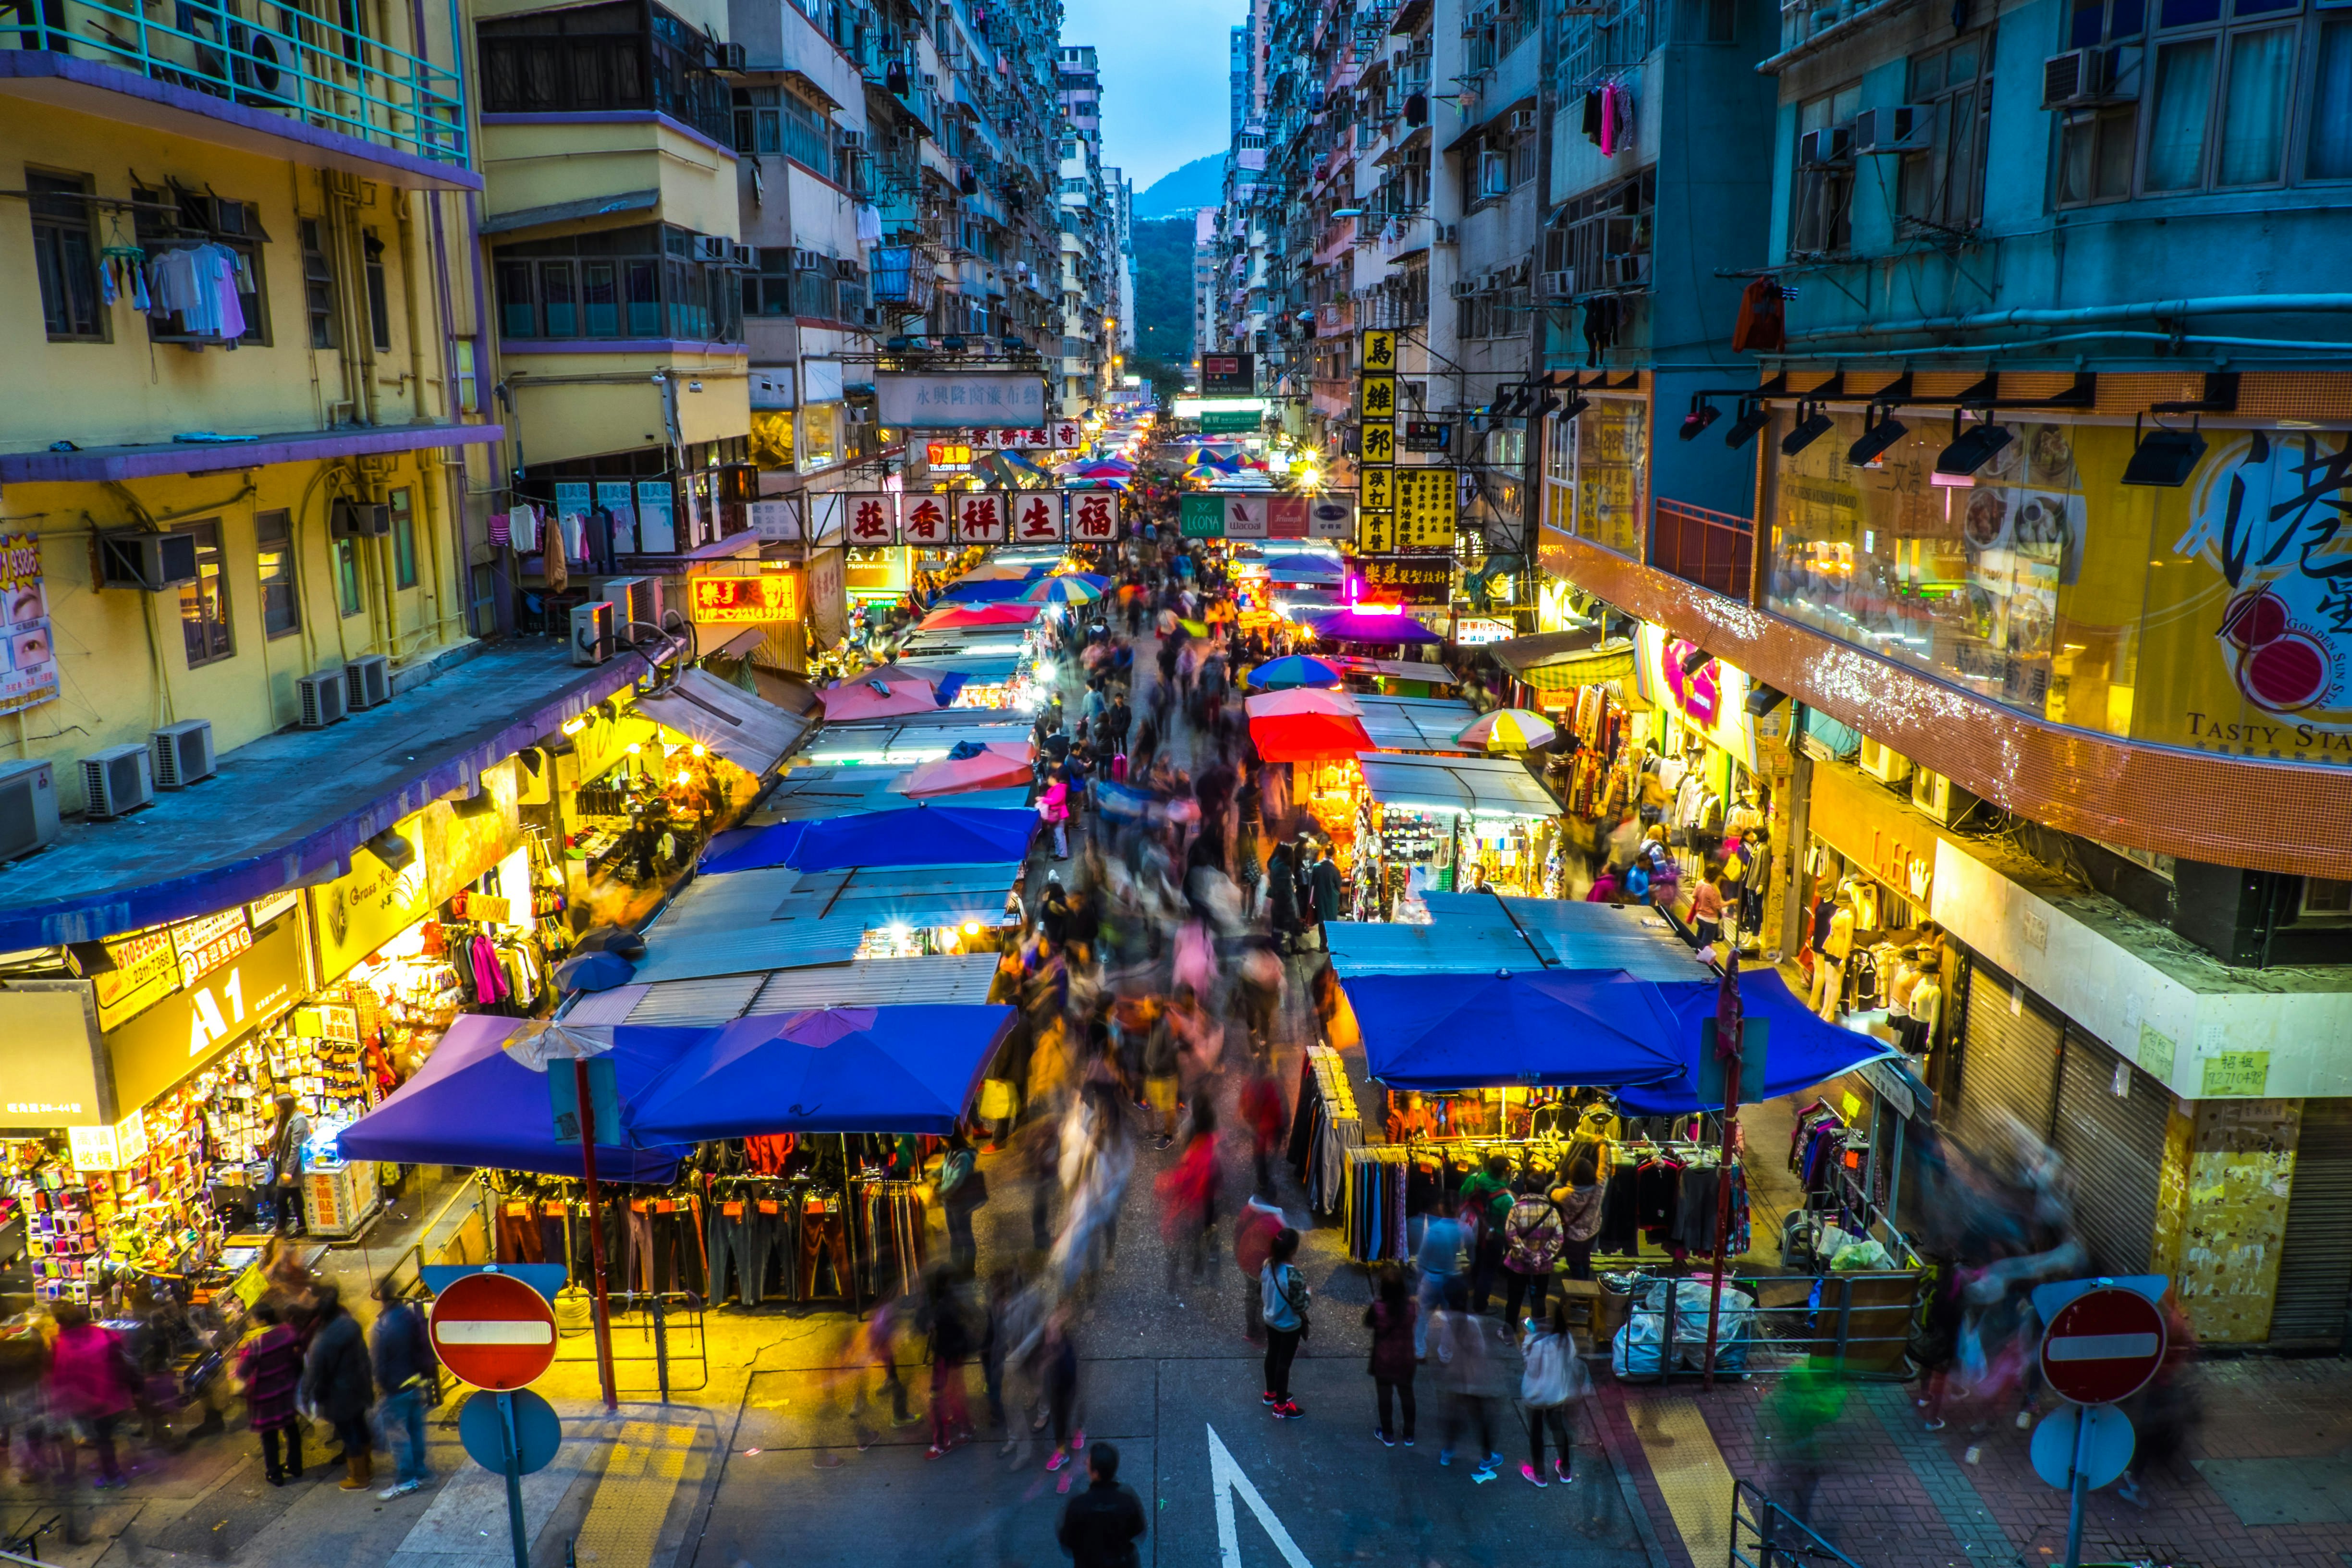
(1698, 659)
(1811, 428)
(392, 849)
(1702, 415)
(1752, 416)
(2164, 456)
(1763, 698)
(1875, 438)
(1972, 449)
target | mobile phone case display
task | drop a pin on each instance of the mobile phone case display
(61, 1233)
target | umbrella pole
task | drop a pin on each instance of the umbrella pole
(595, 1231)
(1731, 1071)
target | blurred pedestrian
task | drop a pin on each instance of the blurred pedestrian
(404, 1367)
(1282, 895)
(1578, 1198)
(1283, 1297)
(289, 1141)
(1531, 1246)
(1254, 1228)
(1057, 1370)
(943, 1323)
(963, 1189)
(1440, 1262)
(1553, 1375)
(1264, 1114)
(1465, 1373)
(90, 1386)
(1392, 1317)
(339, 1386)
(1188, 1201)
(271, 1368)
(1100, 1525)
(1486, 1206)
(875, 1344)
(1808, 1397)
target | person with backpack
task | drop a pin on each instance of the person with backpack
(1554, 1375)
(1390, 1318)
(1283, 1296)
(1532, 1235)
(963, 1189)
(1485, 1205)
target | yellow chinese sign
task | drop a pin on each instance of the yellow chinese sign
(1375, 532)
(1379, 352)
(1380, 444)
(1426, 513)
(1379, 397)
(1379, 489)
(742, 601)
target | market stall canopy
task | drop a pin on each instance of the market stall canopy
(1489, 786)
(1392, 668)
(1487, 930)
(1508, 730)
(964, 615)
(1353, 625)
(1292, 669)
(1308, 738)
(1000, 572)
(969, 767)
(1559, 661)
(985, 590)
(1302, 699)
(873, 697)
(1416, 723)
(753, 734)
(834, 1069)
(915, 738)
(808, 793)
(857, 983)
(741, 923)
(1078, 588)
(472, 1104)
(1304, 569)
(909, 836)
(1801, 1050)
(1600, 1027)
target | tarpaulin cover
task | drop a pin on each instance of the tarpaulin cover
(1800, 1049)
(472, 1104)
(839, 1069)
(953, 617)
(1308, 738)
(752, 848)
(985, 590)
(871, 697)
(1600, 1027)
(1302, 699)
(912, 835)
(999, 765)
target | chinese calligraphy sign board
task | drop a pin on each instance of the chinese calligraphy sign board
(1407, 579)
(1037, 516)
(1427, 507)
(925, 519)
(1094, 517)
(961, 400)
(980, 519)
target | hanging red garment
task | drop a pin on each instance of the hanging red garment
(1609, 120)
(1763, 324)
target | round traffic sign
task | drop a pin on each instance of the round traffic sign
(2103, 1346)
(2105, 1450)
(493, 1331)
(538, 1432)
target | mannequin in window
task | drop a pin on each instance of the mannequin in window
(1829, 962)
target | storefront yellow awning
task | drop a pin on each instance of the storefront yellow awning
(1557, 661)
(1584, 670)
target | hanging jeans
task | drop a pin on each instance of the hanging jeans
(738, 1242)
(519, 1240)
(821, 1234)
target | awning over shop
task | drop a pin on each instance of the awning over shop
(810, 793)
(916, 739)
(1308, 737)
(1488, 786)
(1600, 1027)
(471, 1104)
(753, 734)
(836, 1070)
(1416, 723)
(749, 923)
(911, 835)
(1353, 625)
(1800, 1049)
(1487, 932)
(1557, 661)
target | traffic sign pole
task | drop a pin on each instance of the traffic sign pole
(510, 1449)
(2078, 1488)
(596, 1233)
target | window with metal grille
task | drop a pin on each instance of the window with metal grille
(65, 253)
(318, 285)
(1943, 185)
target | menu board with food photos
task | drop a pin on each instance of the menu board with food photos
(28, 661)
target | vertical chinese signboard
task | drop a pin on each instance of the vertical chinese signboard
(1426, 503)
(1376, 398)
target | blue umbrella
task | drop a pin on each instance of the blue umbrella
(593, 971)
(1600, 1027)
(913, 836)
(1292, 669)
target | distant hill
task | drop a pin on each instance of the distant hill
(1163, 290)
(1198, 183)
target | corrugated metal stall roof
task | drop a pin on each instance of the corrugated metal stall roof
(812, 793)
(1495, 785)
(861, 983)
(1474, 932)
(1415, 723)
(739, 923)
(917, 738)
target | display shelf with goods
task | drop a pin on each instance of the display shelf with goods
(1892, 966)
(633, 826)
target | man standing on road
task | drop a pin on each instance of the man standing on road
(1100, 1525)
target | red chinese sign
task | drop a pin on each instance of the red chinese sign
(873, 519)
(980, 520)
(925, 519)
(1037, 516)
(1094, 518)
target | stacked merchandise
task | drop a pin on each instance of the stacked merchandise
(61, 1233)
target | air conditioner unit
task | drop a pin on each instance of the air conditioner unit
(733, 57)
(2081, 77)
(1901, 128)
(367, 682)
(853, 141)
(1940, 797)
(360, 520)
(1447, 234)
(1560, 285)
(28, 808)
(325, 698)
(844, 268)
(743, 258)
(1884, 762)
(117, 781)
(636, 601)
(1522, 120)
(183, 753)
(713, 248)
(130, 558)
(809, 261)
(1828, 148)
(591, 632)
(267, 66)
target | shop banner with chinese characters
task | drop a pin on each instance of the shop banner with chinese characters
(1376, 445)
(1427, 504)
(28, 663)
(1036, 516)
(1711, 699)
(979, 518)
(358, 912)
(955, 400)
(2217, 616)
(767, 599)
(178, 1034)
(926, 521)
(1094, 517)
(1407, 579)
(873, 518)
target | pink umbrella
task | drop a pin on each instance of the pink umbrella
(1000, 765)
(863, 696)
(960, 616)
(1303, 700)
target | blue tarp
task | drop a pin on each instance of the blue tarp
(913, 836)
(1600, 1027)
(987, 590)
(1803, 1050)
(472, 1104)
(840, 1070)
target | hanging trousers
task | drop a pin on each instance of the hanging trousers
(823, 1234)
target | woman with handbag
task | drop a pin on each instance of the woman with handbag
(1283, 1296)
(1554, 1376)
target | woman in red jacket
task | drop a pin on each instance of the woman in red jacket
(89, 1385)
(270, 1367)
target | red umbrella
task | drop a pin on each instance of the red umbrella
(958, 616)
(1000, 765)
(1308, 737)
(865, 697)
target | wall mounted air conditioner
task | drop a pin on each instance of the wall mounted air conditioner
(733, 57)
(1884, 762)
(1830, 147)
(636, 601)
(367, 682)
(183, 753)
(2081, 77)
(713, 248)
(1522, 120)
(267, 65)
(1447, 234)
(325, 698)
(810, 262)
(1940, 797)
(117, 781)
(130, 558)
(28, 808)
(1897, 128)
(1560, 285)
(591, 632)
(360, 520)
(743, 258)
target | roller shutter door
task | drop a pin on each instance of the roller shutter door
(2008, 1065)
(2114, 1146)
(2314, 1282)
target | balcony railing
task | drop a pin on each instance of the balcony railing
(1713, 549)
(285, 61)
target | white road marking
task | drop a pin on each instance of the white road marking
(1226, 1477)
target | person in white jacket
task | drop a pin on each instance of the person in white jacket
(1554, 1376)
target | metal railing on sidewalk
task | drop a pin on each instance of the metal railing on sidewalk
(1775, 1537)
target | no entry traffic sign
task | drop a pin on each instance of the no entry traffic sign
(493, 1331)
(2103, 1346)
